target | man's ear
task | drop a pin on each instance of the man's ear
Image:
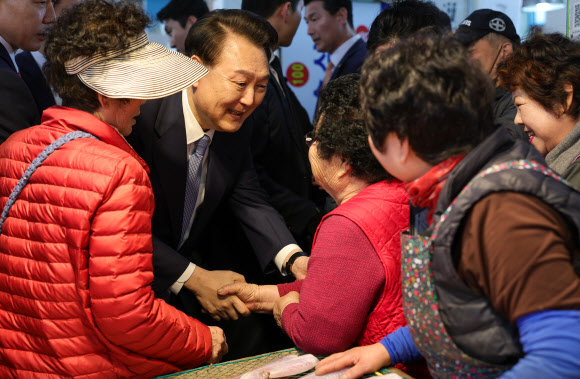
(284, 9)
(190, 21)
(342, 16)
(506, 50)
(198, 60)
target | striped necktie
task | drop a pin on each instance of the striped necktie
(193, 182)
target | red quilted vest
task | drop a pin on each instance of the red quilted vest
(382, 212)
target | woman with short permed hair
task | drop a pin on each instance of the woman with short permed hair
(544, 77)
(75, 230)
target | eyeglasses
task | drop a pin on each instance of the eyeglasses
(309, 138)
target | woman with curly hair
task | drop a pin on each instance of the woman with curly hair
(544, 77)
(75, 231)
(352, 292)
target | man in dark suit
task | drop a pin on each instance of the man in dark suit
(172, 135)
(30, 64)
(279, 126)
(331, 28)
(23, 25)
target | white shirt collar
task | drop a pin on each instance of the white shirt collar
(39, 58)
(10, 52)
(341, 51)
(193, 131)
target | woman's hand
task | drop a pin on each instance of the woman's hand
(281, 303)
(219, 347)
(364, 359)
(258, 299)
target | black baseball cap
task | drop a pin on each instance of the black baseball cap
(484, 21)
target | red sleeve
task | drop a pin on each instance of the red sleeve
(345, 279)
(284, 288)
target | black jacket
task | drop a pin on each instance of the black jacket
(17, 107)
(280, 154)
(35, 80)
(504, 112)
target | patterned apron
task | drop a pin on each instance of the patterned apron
(420, 300)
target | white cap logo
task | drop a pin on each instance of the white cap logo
(497, 24)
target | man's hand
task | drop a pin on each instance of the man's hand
(300, 267)
(365, 359)
(205, 284)
(259, 299)
(219, 347)
(281, 303)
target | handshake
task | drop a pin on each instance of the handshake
(225, 295)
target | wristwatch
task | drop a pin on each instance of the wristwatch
(287, 269)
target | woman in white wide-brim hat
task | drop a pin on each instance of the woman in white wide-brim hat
(75, 230)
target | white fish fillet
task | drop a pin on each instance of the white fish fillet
(294, 366)
(286, 366)
(259, 372)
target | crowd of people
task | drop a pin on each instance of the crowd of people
(163, 209)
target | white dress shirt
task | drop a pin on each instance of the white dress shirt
(193, 133)
(341, 51)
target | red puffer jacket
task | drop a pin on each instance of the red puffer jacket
(76, 263)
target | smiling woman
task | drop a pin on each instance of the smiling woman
(544, 76)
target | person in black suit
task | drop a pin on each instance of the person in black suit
(279, 126)
(188, 226)
(23, 25)
(30, 65)
(331, 28)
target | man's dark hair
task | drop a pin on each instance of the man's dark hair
(206, 37)
(428, 90)
(89, 28)
(542, 67)
(266, 8)
(405, 17)
(333, 6)
(180, 10)
(340, 129)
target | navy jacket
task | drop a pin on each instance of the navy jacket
(352, 61)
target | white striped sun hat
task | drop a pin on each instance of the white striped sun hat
(144, 70)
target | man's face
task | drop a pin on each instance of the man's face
(177, 33)
(323, 28)
(235, 86)
(486, 55)
(293, 21)
(24, 23)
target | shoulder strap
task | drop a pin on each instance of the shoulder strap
(36, 163)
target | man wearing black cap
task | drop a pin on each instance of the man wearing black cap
(490, 37)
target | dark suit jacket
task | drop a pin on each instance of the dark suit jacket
(352, 61)
(35, 80)
(281, 157)
(159, 138)
(17, 107)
